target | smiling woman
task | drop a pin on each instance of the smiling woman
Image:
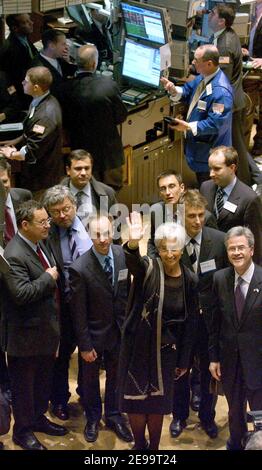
(159, 330)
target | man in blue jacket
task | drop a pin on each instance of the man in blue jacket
(209, 118)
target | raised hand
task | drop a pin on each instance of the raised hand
(136, 229)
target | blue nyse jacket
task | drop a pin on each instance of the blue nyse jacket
(213, 113)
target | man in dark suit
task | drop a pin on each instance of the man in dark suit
(232, 201)
(67, 240)
(204, 253)
(92, 109)
(30, 314)
(171, 188)
(14, 197)
(17, 52)
(209, 117)
(90, 194)
(55, 56)
(235, 327)
(42, 139)
(99, 287)
(220, 20)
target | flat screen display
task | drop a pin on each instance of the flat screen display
(141, 63)
(144, 22)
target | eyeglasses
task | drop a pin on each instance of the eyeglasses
(43, 223)
(170, 187)
(165, 250)
(240, 249)
(56, 212)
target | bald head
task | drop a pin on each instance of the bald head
(87, 58)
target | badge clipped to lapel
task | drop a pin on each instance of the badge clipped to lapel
(218, 108)
(38, 129)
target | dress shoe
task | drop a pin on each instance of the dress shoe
(8, 396)
(121, 429)
(60, 411)
(1, 446)
(195, 402)
(210, 429)
(28, 441)
(91, 431)
(50, 428)
(176, 427)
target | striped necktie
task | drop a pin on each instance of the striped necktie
(108, 269)
(192, 253)
(72, 244)
(219, 201)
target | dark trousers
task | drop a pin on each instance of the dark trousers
(182, 386)
(91, 386)
(254, 89)
(238, 142)
(237, 397)
(30, 379)
(4, 377)
(60, 387)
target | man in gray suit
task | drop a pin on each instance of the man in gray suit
(14, 197)
(99, 287)
(232, 201)
(30, 314)
(235, 332)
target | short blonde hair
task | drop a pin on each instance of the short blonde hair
(170, 230)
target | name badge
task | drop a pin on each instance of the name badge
(224, 60)
(122, 275)
(230, 207)
(209, 89)
(206, 266)
(202, 105)
(38, 129)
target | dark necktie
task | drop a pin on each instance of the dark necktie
(79, 201)
(9, 226)
(46, 266)
(72, 244)
(219, 201)
(108, 269)
(239, 298)
(192, 253)
(42, 258)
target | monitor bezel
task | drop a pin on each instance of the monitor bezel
(148, 7)
(133, 81)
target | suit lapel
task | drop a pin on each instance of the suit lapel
(205, 248)
(255, 289)
(55, 247)
(230, 297)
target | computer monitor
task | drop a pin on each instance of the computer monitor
(144, 22)
(141, 64)
(78, 14)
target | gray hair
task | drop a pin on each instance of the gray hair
(170, 230)
(240, 231)
(87, 57)
(56, 195)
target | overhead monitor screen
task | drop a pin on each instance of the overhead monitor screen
(141, 63)
(144, 22)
